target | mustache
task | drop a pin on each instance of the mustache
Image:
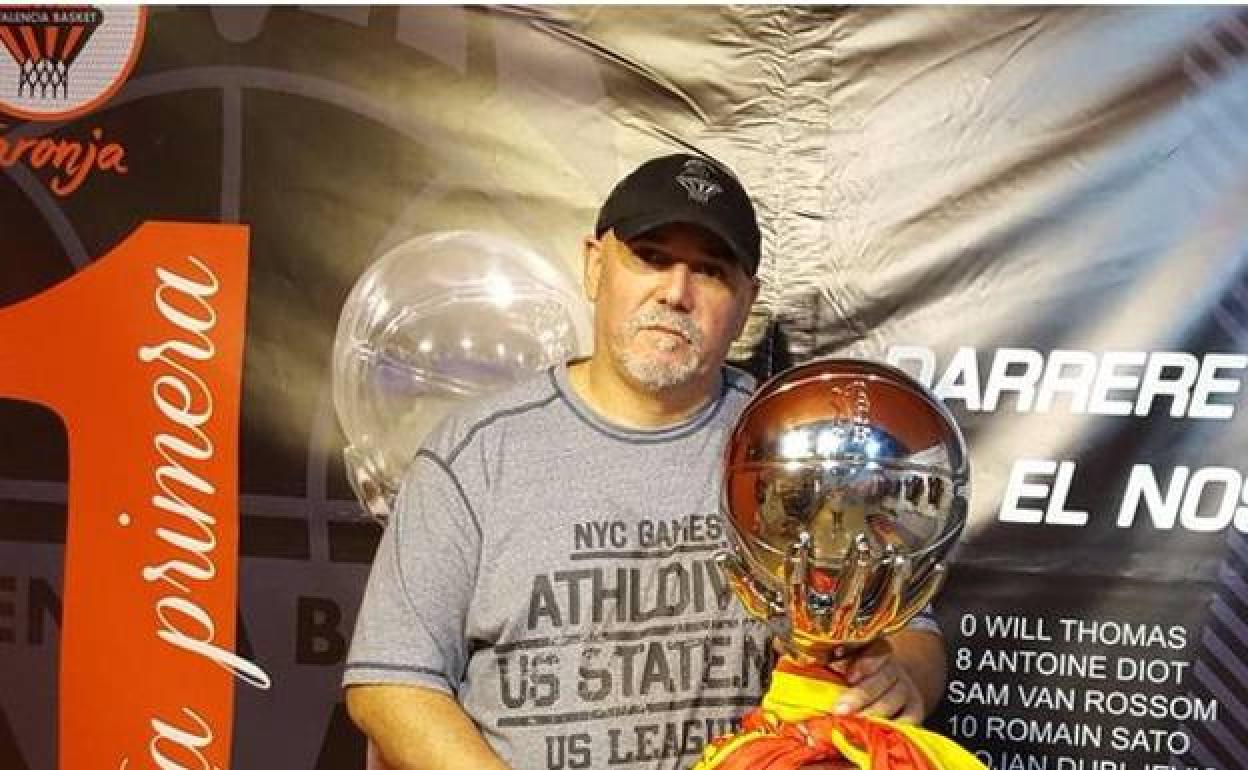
(657, 315)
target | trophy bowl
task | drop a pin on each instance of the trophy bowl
(845, 486)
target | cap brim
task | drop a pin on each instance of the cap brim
(628, 229)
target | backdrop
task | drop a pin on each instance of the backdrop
(1042, 213)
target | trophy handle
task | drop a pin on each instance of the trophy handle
(895, 569)
(797, 586)
(822, 624)
(756, 598)
(922, 596)
(847, 602)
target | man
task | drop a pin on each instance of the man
(545, 596)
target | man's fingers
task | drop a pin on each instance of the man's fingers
(913, 711)
(862, 668)
(890, 702)
(839, 666)
(868, 691)
(902, 703)
(867, 662)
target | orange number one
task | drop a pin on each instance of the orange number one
(140, 355)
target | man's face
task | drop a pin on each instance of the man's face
(668, 304)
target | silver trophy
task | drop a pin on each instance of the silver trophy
(845, 486)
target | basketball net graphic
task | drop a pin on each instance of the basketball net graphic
(697, 179)
(45, 41)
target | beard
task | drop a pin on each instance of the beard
(659, 372)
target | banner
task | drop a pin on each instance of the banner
(140, 357)
(1040, 212)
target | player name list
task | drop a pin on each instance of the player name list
(1031, 692)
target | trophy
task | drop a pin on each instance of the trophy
(845, 486)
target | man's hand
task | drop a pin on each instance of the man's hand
(879, 686)
(415, 728)
(899, 677)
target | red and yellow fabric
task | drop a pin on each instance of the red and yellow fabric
(796, 726)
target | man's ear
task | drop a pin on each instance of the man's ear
(591, 250)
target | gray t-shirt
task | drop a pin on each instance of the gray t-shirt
(554, 572)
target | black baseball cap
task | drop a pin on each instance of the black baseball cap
(688, 189)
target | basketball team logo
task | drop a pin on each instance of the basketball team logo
(59, 62)
(698, 180)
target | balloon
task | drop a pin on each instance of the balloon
(440, 319)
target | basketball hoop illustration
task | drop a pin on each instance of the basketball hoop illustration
(61, 61)
(45, 42)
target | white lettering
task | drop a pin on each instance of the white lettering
(1153, 384)
(1183, 502)
(1077, 385)
(1109, 379)
(192, 743)
(1055, 511)
(1142, 487)
(1229, 480)
(1209, 383)
(184, 492)
(1018, 488)
(1001, 380)
(961, 380)
(1121, 383)
(173, 634)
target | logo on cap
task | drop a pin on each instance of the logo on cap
(695, 177)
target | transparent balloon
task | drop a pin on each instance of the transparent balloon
(440, 319)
